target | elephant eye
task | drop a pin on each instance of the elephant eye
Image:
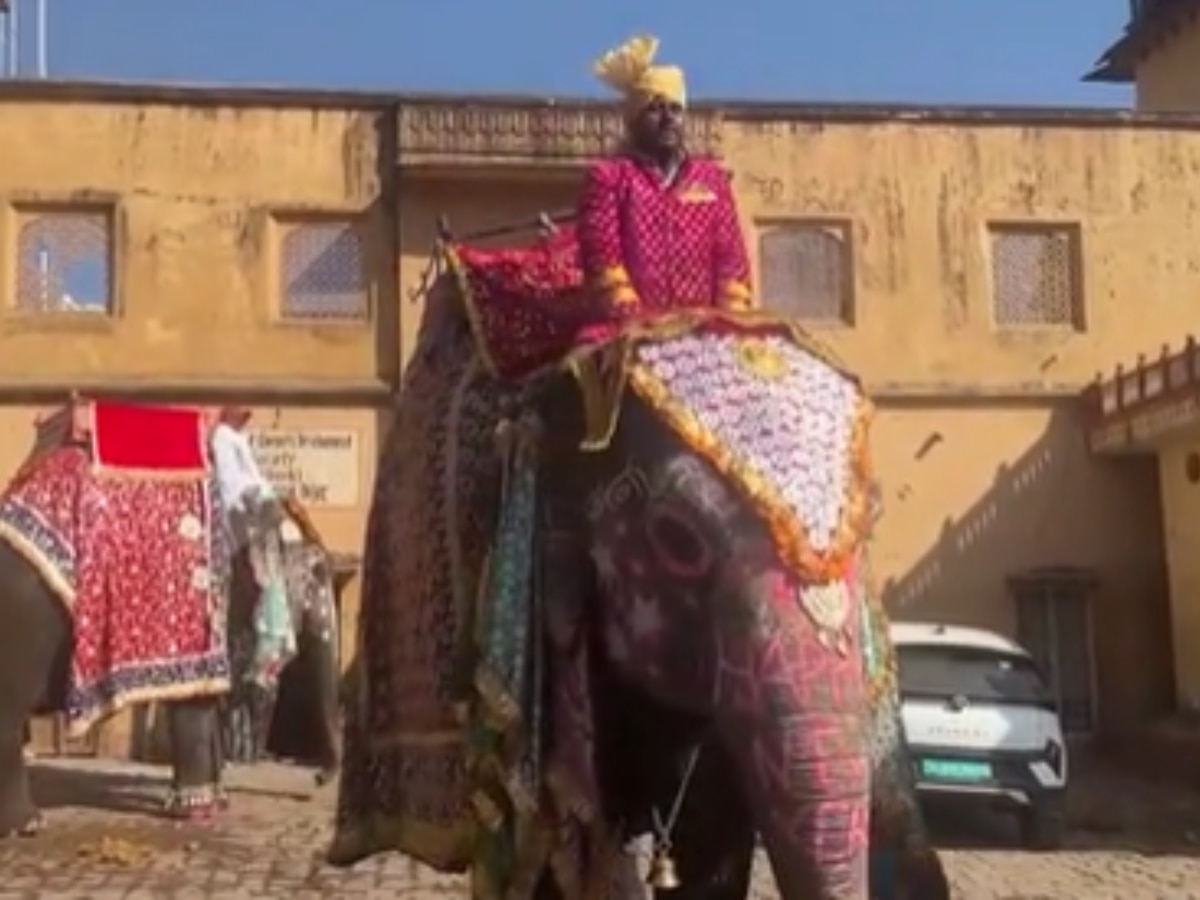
(676, 541)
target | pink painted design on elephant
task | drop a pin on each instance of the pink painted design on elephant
(694, 610)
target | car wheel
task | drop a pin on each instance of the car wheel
(1043, 825)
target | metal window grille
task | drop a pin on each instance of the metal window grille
(64, 263)
(1035, 278)
(804, 272)
(323, 273)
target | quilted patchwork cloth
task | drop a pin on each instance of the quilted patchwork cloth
(785, 426)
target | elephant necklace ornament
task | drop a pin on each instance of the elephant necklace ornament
(663, 875)
(829, 607)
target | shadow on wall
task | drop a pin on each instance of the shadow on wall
(1054, 505)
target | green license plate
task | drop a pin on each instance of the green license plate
(956, 770)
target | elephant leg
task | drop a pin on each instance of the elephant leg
(33, 676)
(904, 862)
(18, 814)
(196, 758)
(327, 695)
(262, 703)
(712, 842)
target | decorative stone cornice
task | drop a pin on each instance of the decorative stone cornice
(520, 133)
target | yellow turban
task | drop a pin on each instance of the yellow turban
(629, 70)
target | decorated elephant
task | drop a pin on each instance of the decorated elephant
(114, 590)
(632, 597)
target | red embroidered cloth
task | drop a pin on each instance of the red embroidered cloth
(527, 304)
(130, 559)
(647, 248)
(147, 438)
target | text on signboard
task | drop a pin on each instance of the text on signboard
(319, 468)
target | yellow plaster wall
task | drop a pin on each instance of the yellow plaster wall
(1181, 516)
(1168, 79)
(194, 190)
(974, 492)
(919, 196)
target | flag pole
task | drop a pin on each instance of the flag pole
(14, 42)
(42, 39)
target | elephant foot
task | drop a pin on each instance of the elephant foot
(33, 826)
(923, 877)
(196, 804)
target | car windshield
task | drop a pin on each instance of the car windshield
(981, 675)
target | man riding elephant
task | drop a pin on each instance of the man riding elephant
(658, 228)
(665, 633)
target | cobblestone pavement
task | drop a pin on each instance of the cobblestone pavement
(1130, 841)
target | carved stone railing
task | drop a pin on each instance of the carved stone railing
(1133, 407)
(507, 132)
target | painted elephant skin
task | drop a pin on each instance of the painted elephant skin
(644, 745)
(700, 627)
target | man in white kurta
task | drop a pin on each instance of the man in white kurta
(244, 493)
(239, 479)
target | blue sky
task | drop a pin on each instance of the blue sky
(952, 51)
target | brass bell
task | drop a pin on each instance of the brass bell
(662, 875)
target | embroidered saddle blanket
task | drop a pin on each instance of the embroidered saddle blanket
(404, 781)
(129, 554)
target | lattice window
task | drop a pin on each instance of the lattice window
(1035, 277)
(64, 263)
(805, 272)
(323, 273)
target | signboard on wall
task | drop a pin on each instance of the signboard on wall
(319, 466)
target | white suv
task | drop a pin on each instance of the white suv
(982, 726)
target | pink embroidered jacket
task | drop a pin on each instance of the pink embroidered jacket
(649, 245)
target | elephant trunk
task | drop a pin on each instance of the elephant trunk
(792, 711)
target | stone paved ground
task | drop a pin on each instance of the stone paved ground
(1130, 841)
